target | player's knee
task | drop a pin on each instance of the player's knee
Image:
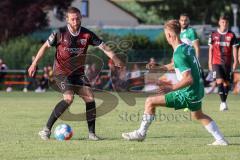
(69, 99)
(196, 116)
(88, 98)
(149, 102)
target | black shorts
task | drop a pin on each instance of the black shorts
(221, 71)
(73, 83)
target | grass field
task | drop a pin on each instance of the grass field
(173, 136)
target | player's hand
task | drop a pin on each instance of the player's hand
(32, 70)
(163, 89)
(151, 66)
(210, 67)
(161, 82)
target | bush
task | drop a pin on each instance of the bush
(17, 52)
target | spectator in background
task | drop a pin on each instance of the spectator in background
(112, 74)
(43, 82)
(135, 80)
(93, 75)
(50, 73)
(210, 83)
(3, 68)
(31, 81)
(121, 80)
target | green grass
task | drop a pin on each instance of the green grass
(179, 138)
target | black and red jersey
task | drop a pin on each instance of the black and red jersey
(222, 44)
(71, 50)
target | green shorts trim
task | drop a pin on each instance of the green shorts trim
(178, 100)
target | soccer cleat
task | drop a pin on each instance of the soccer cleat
(133, 136)
(221, 142)
(223, 106)
(45, 133)
(93, 137)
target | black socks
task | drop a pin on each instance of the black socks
(91, 116)
(56, 113)
(223, 92)
(63, 105)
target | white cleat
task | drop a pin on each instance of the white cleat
(223, 106)
(45, 134)
(222, 142)
(133, 136)
(94, 137)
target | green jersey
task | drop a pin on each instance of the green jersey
(188, 36)
(185, 60)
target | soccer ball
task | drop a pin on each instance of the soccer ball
(63, 132)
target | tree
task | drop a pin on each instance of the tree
(25, 16)
(200, 11)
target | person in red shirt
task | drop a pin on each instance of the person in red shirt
(222, 51)
(71, 43)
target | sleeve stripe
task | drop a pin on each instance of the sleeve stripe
(195, 40)
(48, 44)
(188, 69)
(100, 45)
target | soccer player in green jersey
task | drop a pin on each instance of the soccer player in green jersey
(188, 35)
(188, 92)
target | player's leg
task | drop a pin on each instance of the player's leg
(86, 93)
(56, 113)
(149, 114)
(219, 74)
(226, 84)
(210, 126)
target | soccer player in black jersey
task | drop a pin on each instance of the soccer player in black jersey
(71, 45)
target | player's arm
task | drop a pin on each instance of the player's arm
(186, 81)
(235, 44)
(235, 58)
(163, 68)
(239, 55)
(195, 42)
(40, 54)
(210, 52)
(210, 55)
(107, 50)
(52, 41)
(196, 46)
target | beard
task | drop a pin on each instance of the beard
(75, 27)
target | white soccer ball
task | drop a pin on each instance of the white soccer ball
(63, 132)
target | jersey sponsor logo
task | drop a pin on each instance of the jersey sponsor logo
(223, 44)
(74, 50)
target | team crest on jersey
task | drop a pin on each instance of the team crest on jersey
(228, 38)
(83, 41)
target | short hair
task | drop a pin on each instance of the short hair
(73, 10)
(184, 15)
(224, 17)
(173, 25)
